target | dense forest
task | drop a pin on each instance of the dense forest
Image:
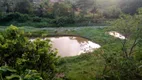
(26, 50)
(58, 13)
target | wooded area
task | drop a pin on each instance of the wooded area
(48, 13)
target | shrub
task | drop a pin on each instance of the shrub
(62, 21)
(119, 68)
(8, 73)
(21, 54)
(14, 16)
(59, 21)
(23, 18)
(36, 19)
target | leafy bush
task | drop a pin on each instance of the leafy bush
(62, 21)
(7, 73)
(22, 54)
(119, 68)
(15, 16)
(36, 19)
(59, 21)
(23, 18)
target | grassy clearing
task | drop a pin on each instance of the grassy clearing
(89, 66)
(86, 66)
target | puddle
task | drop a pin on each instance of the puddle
(72, 46)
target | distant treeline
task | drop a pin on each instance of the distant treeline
(63, 12)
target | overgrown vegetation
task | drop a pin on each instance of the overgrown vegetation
(22, 59)
(61, 13)
(117, 59)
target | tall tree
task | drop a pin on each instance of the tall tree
(85, 5)
(7, 5)
(130, 6)
(23, 6)
(130, 27)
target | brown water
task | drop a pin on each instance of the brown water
(72, 46)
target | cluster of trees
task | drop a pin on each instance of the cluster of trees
(64, 12)
(130, 6)
(21, 59)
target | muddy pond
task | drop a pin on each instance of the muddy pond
(72, 45)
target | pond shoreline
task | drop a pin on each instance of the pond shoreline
(62, 35)
(71, 45)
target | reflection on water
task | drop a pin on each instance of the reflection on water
(72, 46)
(116, 34)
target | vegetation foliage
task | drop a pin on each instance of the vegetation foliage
(116, 60)
(63, 12)
(25, 57)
